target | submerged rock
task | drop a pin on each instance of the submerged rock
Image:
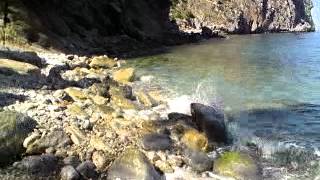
(14, 128)
(210, 121)
(237, 165)
(133, 164)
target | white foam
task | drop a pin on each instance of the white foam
(180, 104)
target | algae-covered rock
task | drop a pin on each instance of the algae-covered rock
(133, 164)
(124, 75)
(195, 140)
(9, 67)
(14, 128)
(102, 62)
(237, 165)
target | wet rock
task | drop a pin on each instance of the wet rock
(69, 173)
(76, 93)
(46, 164)
(10, 67)
(210, 121)
(156, 142)
(87, 170)
(195, 140)
(133, 164)
(14, 128)
(54, 139)
(99, 159)
(72, 161)
(198, 160)
(102, 62)
(236, 165)
(124, 75)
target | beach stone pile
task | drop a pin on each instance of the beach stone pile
(93, 118)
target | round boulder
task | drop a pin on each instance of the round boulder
(133, 164)
(14, 128)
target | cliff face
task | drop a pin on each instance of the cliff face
(243, 16)
(83, 24)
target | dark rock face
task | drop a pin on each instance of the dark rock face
(244, 16)
(156, 142)
(14, 128)
(210, 121)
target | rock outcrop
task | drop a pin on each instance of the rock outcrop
(243, 16)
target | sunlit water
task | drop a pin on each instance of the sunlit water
(269, 84)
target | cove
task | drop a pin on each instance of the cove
(269, 83)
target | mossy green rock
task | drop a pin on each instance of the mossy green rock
(133, 164)
(237, 165)
(14, 128)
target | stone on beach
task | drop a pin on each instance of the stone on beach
(14, 128)
(124, 75)
(133, 164)
(9, 67)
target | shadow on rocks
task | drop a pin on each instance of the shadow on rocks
(9, 98)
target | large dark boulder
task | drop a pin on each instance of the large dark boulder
(210, 121)
(14, 128)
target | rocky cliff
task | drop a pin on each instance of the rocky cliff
(243, 16)
(119, 25)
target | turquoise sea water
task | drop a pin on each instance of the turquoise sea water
(270, 83)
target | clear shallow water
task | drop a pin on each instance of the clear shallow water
(270, 83)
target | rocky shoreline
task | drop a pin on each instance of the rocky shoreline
(70, 117)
